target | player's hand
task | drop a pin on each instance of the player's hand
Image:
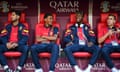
(90, 44)
(118, 31)
(43, 36)
(9, 45)
(70, 43)
(15, 45)
(110, 32)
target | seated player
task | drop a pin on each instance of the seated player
(46, 37)
(14, 37)
(78, 39)
(108, 36)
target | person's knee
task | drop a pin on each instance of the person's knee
(104, 50)
(25, 49)
(33, 48)
(3, 48)
(66, 49)
(56, 48)
(98, 49)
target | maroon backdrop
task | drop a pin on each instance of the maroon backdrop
(62, 9)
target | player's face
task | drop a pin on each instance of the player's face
(14, 17)
(110, 20)
(49, 20)
(79, 17)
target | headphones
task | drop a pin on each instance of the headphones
(79, 25)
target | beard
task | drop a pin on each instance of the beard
(14, 20)
(48, 26)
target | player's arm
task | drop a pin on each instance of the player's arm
(102, 38)
(40, 39)
(52, 37)
(69, 37)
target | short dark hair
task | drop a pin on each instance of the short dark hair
(16, 12)
(80, 12)
(112, 16)
(47, 14)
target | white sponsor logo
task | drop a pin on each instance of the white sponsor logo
(65, 6)
(63, 66)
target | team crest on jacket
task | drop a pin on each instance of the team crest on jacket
(20, 28)
(86, 27)
(25, 32)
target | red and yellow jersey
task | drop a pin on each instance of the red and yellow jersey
(14, 34)
(109, 39)
(44, 31)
